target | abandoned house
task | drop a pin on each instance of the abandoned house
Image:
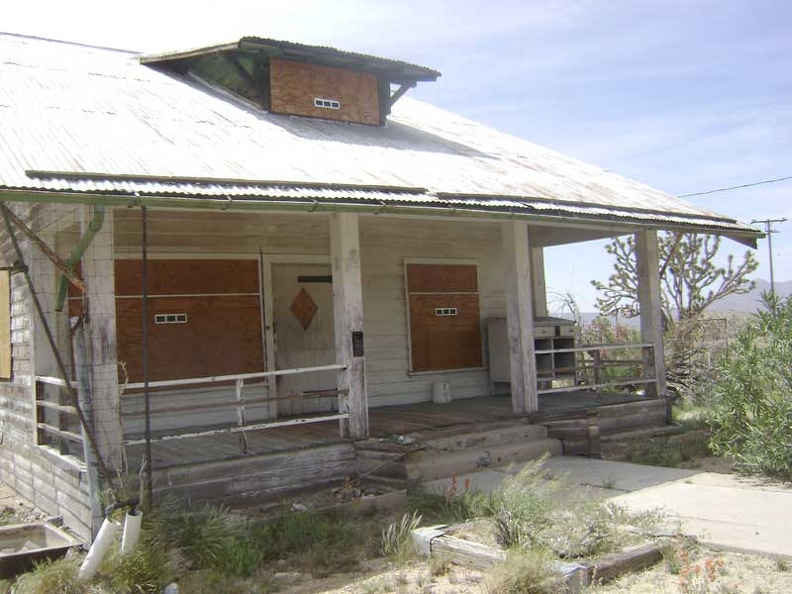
(240, 269)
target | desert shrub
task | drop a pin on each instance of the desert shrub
(317, 543)
(524, 505)
(397, 537)
(524, 572)
(752, 394)
(212, 581)
(452, 506)
(202, 537)
(146, 570)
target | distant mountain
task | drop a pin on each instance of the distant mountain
(750, 302)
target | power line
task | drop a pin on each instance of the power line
(759, 183)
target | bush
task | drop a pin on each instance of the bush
(752, 394)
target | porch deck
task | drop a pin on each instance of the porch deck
(383, 421)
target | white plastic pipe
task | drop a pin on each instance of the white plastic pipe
(98, 549)
(131, 531)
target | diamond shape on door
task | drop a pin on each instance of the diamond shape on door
(304, 308)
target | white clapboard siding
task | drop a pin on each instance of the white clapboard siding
(385, 244)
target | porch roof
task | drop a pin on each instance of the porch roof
(86, 124)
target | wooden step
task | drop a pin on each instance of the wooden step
(487, 438)
(433, 464)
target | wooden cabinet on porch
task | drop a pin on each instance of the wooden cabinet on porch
(550, 336)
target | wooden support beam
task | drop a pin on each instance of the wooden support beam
(400, 92)
(348, 312)
(519, 316)
(650, 307)
(538, 283)
(59, 262)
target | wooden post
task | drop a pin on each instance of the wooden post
(98, 269)
(348, 311)
(519, 315)
(538, 283)
(240, 406)
(650, 308)
(82, 368)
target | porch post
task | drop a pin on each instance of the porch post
(649, 304)
(519, 313)
(348, 310)
(538, 284)
(99, 275)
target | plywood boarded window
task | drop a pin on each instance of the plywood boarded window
(212, 315)
(445, 320)
(5, 325)
(324, 92)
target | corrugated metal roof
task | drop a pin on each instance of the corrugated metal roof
(74, 110)
(290, 48)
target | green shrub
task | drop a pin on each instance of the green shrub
(751, 416)
(53, 576)
(524, 572)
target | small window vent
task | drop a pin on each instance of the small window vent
(327, 103)
(180, 318)
(442, 312)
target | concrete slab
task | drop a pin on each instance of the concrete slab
(612, 475)
(721, 510)
(726, 511)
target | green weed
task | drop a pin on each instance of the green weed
(397, 537)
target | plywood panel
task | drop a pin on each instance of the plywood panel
(222, 336)
(445, 342)
(187, 277)
(295, 85)
(441, 278)
(5, 325)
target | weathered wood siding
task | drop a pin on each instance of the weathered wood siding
(55, 483)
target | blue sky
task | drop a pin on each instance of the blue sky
(683, 95)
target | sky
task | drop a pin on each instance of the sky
(684, 95)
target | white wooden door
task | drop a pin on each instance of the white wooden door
(304, 335)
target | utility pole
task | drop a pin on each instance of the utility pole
(768, 223)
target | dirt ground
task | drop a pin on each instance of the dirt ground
(738, 574)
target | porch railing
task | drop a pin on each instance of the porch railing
(240, 402)
(594, 367)
(57, 423)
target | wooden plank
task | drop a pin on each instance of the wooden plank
(222, 336)
(234, 377)
(295, 85)
(649, 301)
(519, 319)
(5, 324)
(60, 432)
(187, 277)
(538, 283)
(252, 427)
(442, 278)
(467, 553)
(445, 342)
(55, 406)
(348, 318)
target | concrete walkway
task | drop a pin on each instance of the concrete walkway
(721, 510)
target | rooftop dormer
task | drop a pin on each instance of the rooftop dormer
(296, 79)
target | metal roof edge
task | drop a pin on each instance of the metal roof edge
(188, 53)
(746, 236)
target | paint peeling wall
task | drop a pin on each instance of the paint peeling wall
(54, 483)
